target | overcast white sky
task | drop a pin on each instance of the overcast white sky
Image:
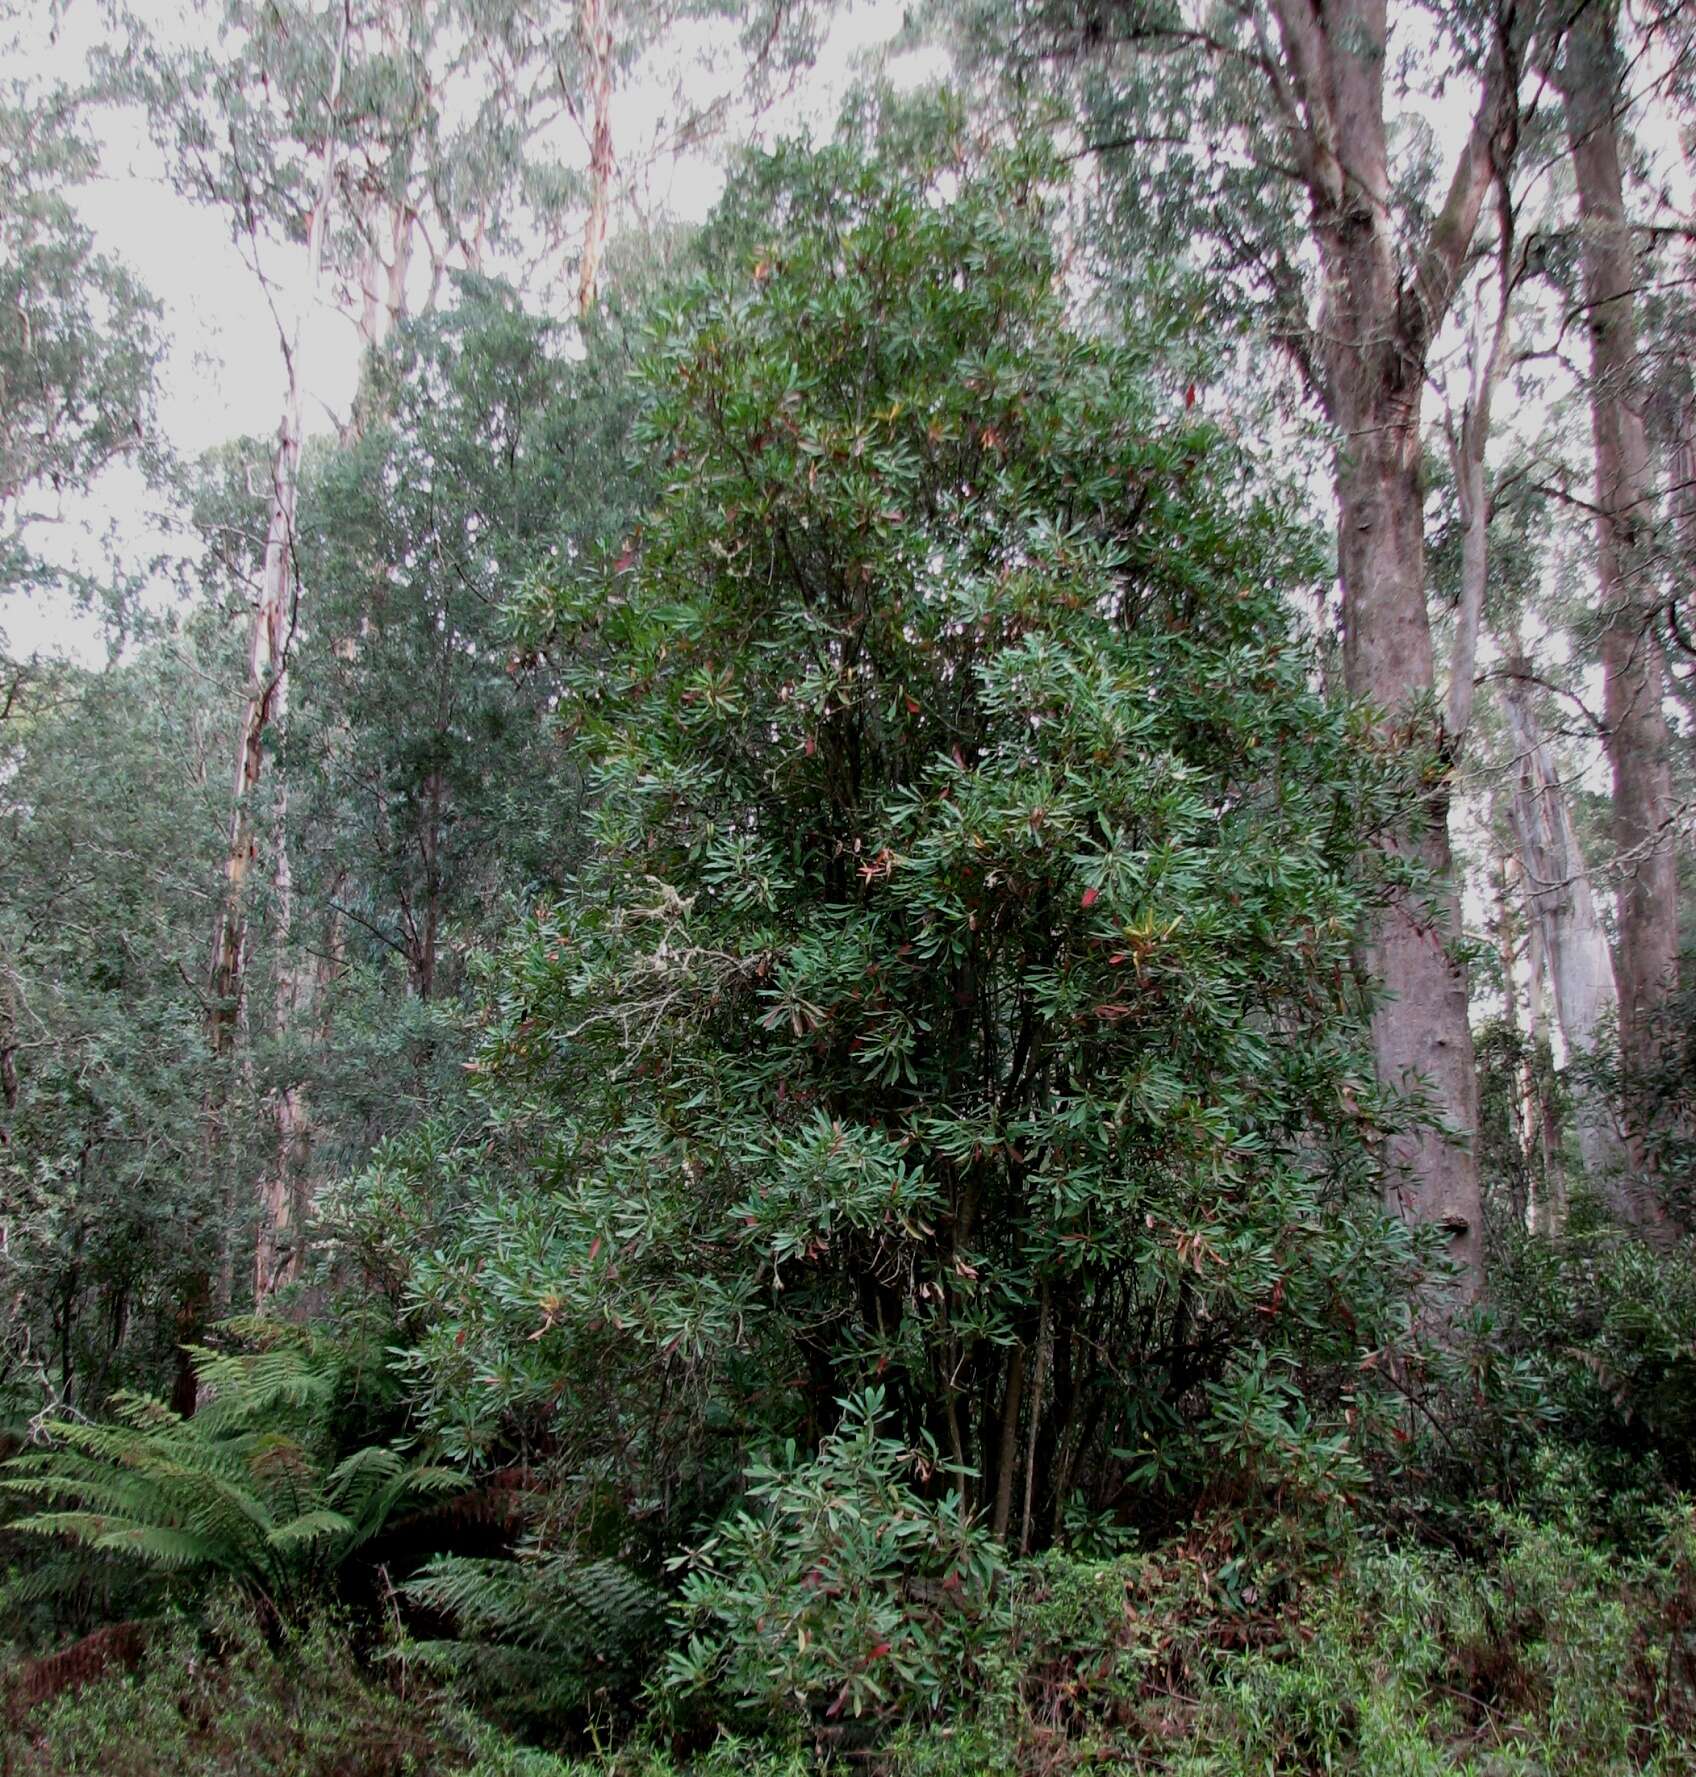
(222, 377)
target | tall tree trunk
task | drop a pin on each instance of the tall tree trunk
(1371, 345)
(1505, 933)
(1633, 665)
(1573, 945)
(595, 29)
(263, 704)
(1548, 1208)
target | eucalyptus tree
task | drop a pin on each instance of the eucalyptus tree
(1573, 944)
(1353, 252)
(267, 120)
(1635, 735)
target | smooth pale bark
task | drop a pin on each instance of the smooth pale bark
(1371, 344)
(1572, 945)
(1548, 1208)
(594, 25)
(1634, 668)
(383, 276)
(1681, 478)
(1505, 933)
(264, 702)
(1466, 457)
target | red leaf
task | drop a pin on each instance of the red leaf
(1090, 897)
(912, 706)
(1189, 396)
(594, 1248)
(626, 561)
(812, 746)
(879, 1651)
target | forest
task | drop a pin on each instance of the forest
(844, 854)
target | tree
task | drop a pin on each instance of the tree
(1636, 736)
(109, 834)
(1297, 95)
(79, 350)
(427, 786)
(959, 994)
(78, 339)
(1572, 944)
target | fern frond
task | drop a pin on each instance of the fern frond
(311, 1528)
(156, 1545)
(238, 1490)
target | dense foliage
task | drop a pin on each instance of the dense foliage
(773, 1126)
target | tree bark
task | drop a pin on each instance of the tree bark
(595, 29)
(1633, 664)
(1505, 933)
(1371, 345)
(264, 703)
(1573, 946)
(1548, 1208)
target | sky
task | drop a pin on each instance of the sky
(223, 376)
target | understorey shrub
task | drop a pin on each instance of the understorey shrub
(959, 998)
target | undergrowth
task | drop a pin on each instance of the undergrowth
(1553, 1656)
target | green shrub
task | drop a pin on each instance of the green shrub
(545, 1638)
(841, 1589)
(1609, 1319)
(221, 1698)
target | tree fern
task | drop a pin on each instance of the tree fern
(249, 1490)
(543, 1634)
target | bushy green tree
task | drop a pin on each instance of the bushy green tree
(78, 346)
(959, 996)
(109, 827)
(425, 780)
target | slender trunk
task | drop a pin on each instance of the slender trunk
(595, 29)
(1548, 1208)
(1633, 665)
(1574, 947)
(1007, 1450)
(284, 1202)
(8, 1062)
(1044, 1359)
(264, 701)
(1506, 935)
(1466, 457)
(1681, 477)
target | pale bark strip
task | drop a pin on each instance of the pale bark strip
(1573, 946)
(595, 29)
(1636, 735)
(1466, 457)
(263, 705)
(1371, 344)
(1548, 1210)
(1505, 934)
